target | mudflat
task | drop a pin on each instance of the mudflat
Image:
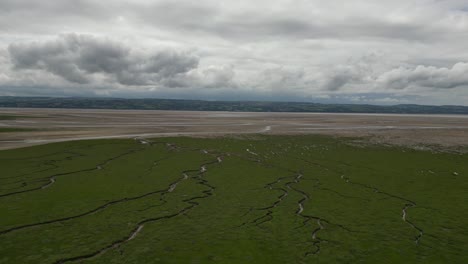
(22, 127)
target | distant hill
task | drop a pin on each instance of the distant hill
(236, 106)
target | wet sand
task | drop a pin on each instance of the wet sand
(55, 125)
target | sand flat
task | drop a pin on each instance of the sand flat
(54, 125)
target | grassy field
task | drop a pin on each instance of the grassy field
(14, 117)
(15, 129)
(267, 199)
(7, 117)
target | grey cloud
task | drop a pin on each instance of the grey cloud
(220, 20)
(180, 14)
(266, 49)
(213, 20)
(47, 16)
(340, 76)
(427, 76)
(52, 57)
(281, 79)
(301, 28)
(337, 81)
(77, 58)
(361, 71)
(210, 77)
(163, 63)
(76, 6)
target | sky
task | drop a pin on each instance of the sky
(360, 51)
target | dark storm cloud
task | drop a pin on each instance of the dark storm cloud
(77, 58)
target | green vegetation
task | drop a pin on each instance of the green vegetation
(15, 129)
(234, 106)
(268, 199)
(7, 117)
(14, 117)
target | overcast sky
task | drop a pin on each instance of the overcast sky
(360, 51)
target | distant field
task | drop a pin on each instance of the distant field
(15, 129)
(14, 117)
(256, 199)
(8, 117)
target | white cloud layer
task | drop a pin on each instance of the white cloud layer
(427, 76)
(367, 51)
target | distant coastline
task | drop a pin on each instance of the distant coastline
(232, 106)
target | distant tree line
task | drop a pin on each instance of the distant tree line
(235, 106)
